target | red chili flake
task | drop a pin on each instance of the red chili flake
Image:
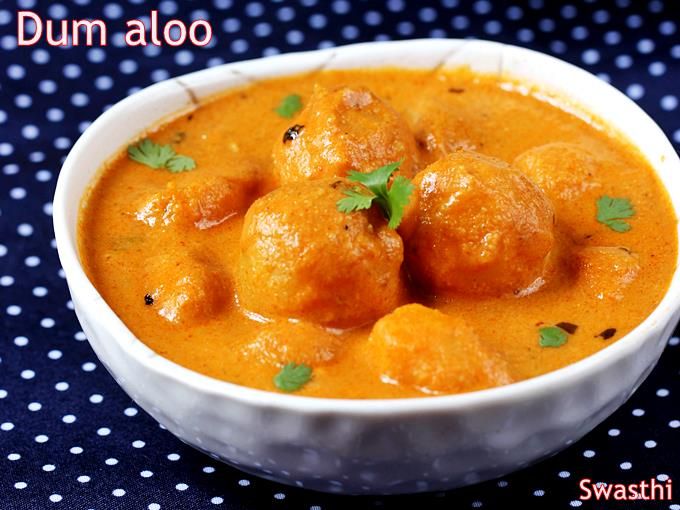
(568, 327)
(607, 333)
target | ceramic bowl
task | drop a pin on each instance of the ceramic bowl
(368, 446)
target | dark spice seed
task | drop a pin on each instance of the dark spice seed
(148, 300)
(292, 133)
(456, 90)
(568, 327)
(607, 333)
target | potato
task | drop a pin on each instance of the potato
(427, 350)
(185, 287)
(605, 271)
(280, 342)
(566, 173)
(202, 202)
(342, 130)
(302, 258)
(476, 226)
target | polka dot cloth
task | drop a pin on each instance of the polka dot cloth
(70, 437)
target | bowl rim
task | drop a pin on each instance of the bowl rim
(533, 387)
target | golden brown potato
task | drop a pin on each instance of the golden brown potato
(281, 342)
(302, 258)
(605, 271)
(433, 352)
(474, 225)
(185, 287)
(565, 172)
(200, 201)
(342, 130)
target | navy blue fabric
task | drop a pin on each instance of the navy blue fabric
(70, 437)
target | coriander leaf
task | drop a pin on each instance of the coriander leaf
(612, 211)
(355, 201)
(289, 106)
(552, 336)
(391, 200)
(180, 163)
(397, 199)
(150, 153)
(292, 377)
(154, 155)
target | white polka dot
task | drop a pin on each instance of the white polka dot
(24, 229)
(614, 432)
(154, 506)
(103, 431)
(590, 56)
(145, 474)
(61, 386)
(539, 492)
(645, 46)
(13, 310)
(76, 450)
(10, 169)
(625, 466)
(657, 68)
(96, 55)
(55, 498)
(564, 474)
(589, 454)
(79, 99)
(279, 496)
(55, 115)
(635, 91)
(128, 66)
(40, 56)
(54, 354)
(634, 21)
(41, 438)
(80, 336)
(95, 398)
(47, 322)
(579, 33)
(7, 426)
(16, 72)
(138, 444)
(111, 461)
(669, 102)
(638, 412)
(32, 261)
(184, 57)
(3, 250)
(83, 478)
(662, 477)
(173, 457)
(68, 418)
(217, 500)
(181, 486)
(13, 456)
(6, 281)
(103, 82)
(130, 411)
(88, 366)
(118, 492)
(48, 467)
(20, 485)
(650, 444)
(23, 101)
(27, 374)
(208, 469)
(674, 424)
(295, 37)
(34, 406)
(239, 46)
(575, 503)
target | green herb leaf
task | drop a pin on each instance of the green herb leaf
(292, 377)
(289, 106)
(611, 212)
(355, 201)
(391, 200)
(180, 163)
(154, 155)
(552, 336)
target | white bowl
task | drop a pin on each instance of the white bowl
(367, 446)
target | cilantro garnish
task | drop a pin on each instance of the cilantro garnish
(612, 211)
(289, 106)
(391, 200)
(292, 377)
(154, 155)
(552, 336)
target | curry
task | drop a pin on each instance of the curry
(379, 234)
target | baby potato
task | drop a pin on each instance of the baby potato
(565, 172)
(427, 350)
(605, 271)
(184, 287)
(342, 130)
(476, 226)
(202, 202)
(280, 342)
(302, 258)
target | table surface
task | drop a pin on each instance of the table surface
(70, 437)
